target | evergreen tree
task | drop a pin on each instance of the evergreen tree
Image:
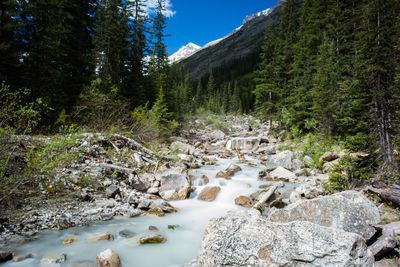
(211, 86)
(199, 94)
(266, 88)
(135, 82)
(9, 52)
(378, 69)
(235, 102)
(111, 40)
(325, 89)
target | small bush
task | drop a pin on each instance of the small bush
(343, 175)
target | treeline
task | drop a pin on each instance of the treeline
(333, 67)
(85, 59)
(226, 89)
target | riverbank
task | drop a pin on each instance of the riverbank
(200, 164)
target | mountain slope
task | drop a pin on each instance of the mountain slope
(244, 42)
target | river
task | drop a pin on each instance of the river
(182, 242)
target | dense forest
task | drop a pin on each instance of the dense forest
(329, 67)
(88, 62)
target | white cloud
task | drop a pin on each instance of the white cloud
(152, 4)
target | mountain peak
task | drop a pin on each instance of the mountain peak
(184, 52)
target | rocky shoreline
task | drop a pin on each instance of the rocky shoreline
(339, 230)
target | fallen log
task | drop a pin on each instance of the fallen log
(264, 197)
(119, 169)
(390, 195)
(136, 146)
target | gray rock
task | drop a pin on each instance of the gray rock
(281, 173)
(384, 263)
(216, 134)
(143, 181)
(182, 148)
(349, 210)
(297, 164)
(387, 241)
(5, 255)
(175, 184)
(112, 191)
(248, 239)
(266, 149)
(245, 143)
(294, 197)
(282, 159)
(126, 233)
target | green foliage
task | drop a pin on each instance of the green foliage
(101, 106)
(148, 124)
(16, 117)
(345, 173)
(46, 161)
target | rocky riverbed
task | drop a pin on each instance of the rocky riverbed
(280, 217)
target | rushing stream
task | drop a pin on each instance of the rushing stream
(182, 243)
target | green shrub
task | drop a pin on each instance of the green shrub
(101, 107)
(359, 142)
(343, 175)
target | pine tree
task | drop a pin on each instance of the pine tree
(235, 102)
(378, 67)
(266, 88)
(325, 89)
(135, 85)
(9, 54)
(199, 94)
(111, 40)
(211, 86)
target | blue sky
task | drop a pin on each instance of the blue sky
(203, 21)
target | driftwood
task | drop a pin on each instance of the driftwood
(136, 146)
(264, 197)
(119, 168)
(389, 195)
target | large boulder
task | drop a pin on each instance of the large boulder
(216, 135)
(282, 159)
(182, 148)
(209, 193)
(388, 241)
(245, 143)
(108, 258)
(349, 210)
(112, 191)
(175, 184)
(283, 174)
(143, 181)
(248, 239)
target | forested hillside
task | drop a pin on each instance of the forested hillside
(90, 62)
(327, 67)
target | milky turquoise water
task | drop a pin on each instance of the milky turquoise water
(182, 243)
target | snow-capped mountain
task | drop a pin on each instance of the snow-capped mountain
(255, 15)
(184, 52)
(191, 48)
